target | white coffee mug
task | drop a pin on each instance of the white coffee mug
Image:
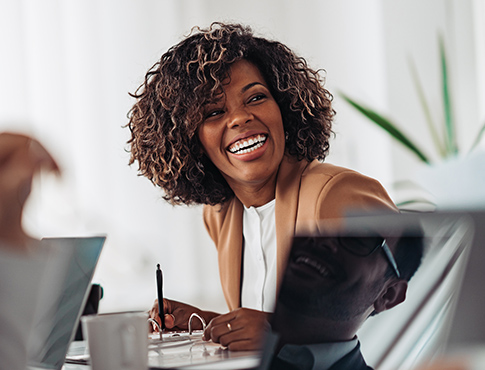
(117, 341)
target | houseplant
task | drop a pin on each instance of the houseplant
(443, 134)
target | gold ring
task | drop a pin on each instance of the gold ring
(229, 326)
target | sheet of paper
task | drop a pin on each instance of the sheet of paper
(182, 350)
(179, 350)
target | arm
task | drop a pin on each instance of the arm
(21, 157)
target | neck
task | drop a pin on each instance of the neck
(311, 330)
(255, 194)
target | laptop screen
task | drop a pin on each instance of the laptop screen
(64, 293)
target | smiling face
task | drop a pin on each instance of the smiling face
(243, 135)
(343, 286)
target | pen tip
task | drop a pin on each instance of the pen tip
(158, 265)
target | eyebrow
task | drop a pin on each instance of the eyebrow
(248, 86)
(243, 90)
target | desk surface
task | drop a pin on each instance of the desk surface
(179, 351)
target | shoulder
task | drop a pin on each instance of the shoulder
(325, 177)
(326, 171)
(329, 191)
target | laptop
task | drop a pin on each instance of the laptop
(63, 295)
(417, 328)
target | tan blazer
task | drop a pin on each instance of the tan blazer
(306, 192)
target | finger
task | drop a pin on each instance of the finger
(216, 322)
(181, 318)
(169, 318)
(222, 319)
(240, 340)
(154, 310)
(169, 321)
(223, 329)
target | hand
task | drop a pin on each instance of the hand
(21, 157)
(239, 330)
(177, 314)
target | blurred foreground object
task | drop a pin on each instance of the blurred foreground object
(21, 157)
(22, 264)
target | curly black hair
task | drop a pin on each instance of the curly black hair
(168, 111)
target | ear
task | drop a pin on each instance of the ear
(392, 294)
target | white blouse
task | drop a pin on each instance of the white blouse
(259, 259)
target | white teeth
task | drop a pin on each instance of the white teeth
(312, 263)
(248, 145)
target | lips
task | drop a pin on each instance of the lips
(322, 270)
(317, 263)
(248, 144)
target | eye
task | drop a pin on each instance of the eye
(257, 97)
(213, 113)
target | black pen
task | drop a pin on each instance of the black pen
(160, 297)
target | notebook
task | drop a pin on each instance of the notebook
(64, 291)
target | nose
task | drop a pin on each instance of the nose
(328, 243)
(239, 116)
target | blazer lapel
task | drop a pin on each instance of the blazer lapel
(287, 196)
(230, 254)
(231, 235)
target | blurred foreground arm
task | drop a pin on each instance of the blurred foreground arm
(21, 157)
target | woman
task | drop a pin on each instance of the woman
(241, 124)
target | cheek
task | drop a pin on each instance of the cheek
(206, 138)
(210, 141)
(279, 128)
(361, 269)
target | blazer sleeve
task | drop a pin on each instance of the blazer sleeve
(331, 192)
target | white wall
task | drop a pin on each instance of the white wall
(67, 68)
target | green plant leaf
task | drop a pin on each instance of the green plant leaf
(414, 201)
(387, 126)
(451, 145)
(478, 138)
(424, 105)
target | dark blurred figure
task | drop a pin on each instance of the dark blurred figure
(331, 286)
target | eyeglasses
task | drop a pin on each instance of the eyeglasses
(365, 246)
